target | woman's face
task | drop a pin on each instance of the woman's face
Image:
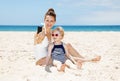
(49, 21)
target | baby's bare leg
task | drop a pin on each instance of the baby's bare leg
(58, 64)
(70, 64)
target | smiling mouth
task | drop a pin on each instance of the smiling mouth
(54, 38)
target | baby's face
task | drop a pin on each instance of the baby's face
(56, 36)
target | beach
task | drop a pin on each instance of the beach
(17, 59)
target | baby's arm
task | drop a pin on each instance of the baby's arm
(47, 67)
(49, 53)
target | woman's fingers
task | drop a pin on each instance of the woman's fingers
(42, 34)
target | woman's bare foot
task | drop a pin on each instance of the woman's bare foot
(96, 59)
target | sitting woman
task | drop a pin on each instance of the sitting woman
(43, 38)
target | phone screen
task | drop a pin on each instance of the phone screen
(39, 29)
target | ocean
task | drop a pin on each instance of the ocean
(90, 28)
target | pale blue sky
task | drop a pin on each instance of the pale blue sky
(69, 12)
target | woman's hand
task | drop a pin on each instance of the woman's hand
(39, 37)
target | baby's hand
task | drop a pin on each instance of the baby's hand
(47, 68)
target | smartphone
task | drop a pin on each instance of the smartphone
(39, 29)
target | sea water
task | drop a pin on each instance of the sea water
(65, 27)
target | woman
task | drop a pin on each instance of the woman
(42, 39)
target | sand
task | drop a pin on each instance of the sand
(17, 61)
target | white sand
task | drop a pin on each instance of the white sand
(17, 62)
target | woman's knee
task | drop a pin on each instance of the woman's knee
(68, 45)
(41, 61)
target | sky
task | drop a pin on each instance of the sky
(69, 12)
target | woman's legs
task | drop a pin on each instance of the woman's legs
(78, 58)
(42, 61)
(72, 51)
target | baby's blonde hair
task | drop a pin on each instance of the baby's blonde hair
(60, 29)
